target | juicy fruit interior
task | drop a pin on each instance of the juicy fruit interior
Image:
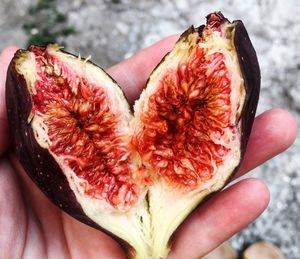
(139, 177)
(186, 121)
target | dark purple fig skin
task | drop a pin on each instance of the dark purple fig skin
(37, 161)
(251, 74)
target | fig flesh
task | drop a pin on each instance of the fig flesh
(137, 175)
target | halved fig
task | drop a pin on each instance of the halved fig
(136, 176)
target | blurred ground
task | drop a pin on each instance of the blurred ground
(113, 30)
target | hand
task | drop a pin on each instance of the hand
(32, 227)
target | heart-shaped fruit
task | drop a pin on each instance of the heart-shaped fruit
(136, 176)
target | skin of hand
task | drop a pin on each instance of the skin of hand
(32, 227)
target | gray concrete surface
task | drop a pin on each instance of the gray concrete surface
(113, 30)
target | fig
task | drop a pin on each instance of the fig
(136, 174)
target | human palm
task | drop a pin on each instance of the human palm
(32, 227)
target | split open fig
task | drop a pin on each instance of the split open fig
(136, 175)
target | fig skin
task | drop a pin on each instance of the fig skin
(251, 75)
(40, 165)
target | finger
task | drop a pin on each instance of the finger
(219, 218)
(132, 73)
(273, 132)
(12, 213)
(5, 57)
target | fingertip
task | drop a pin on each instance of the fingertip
(10, 49)
(5, 57)
(251, 194)
(273, 132)
(8, 52)
(258, 193)
(285, 126)
(276, 127)
(220, 217)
